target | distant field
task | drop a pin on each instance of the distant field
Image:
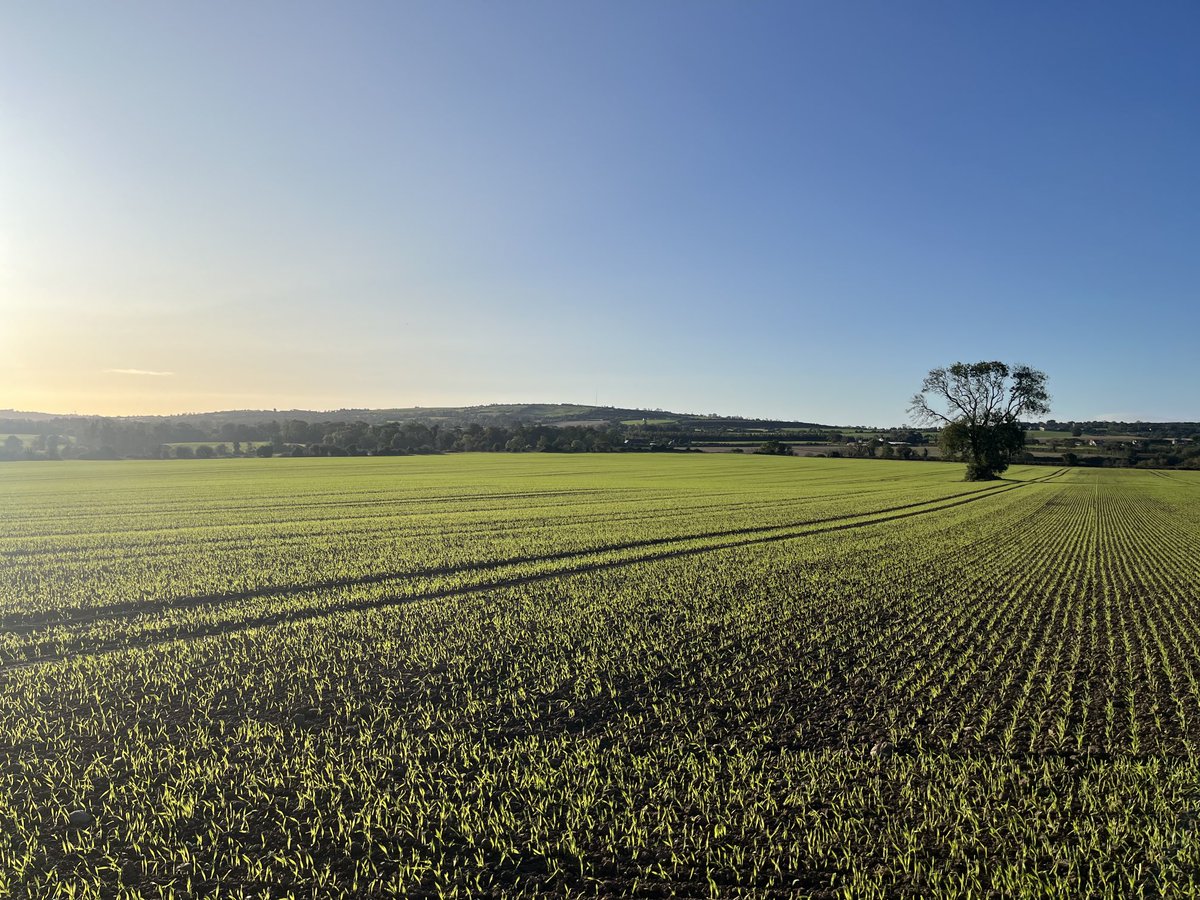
(1086, 436)
(25, 439)
(246, 445)
(663, 675)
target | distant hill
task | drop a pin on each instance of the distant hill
(553, 427)
(489, 414)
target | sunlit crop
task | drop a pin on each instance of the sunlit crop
(597, 675)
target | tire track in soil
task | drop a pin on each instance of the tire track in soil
(894, 514)
(31, 624)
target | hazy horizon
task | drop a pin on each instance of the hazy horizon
(334, 410)
(776, 211)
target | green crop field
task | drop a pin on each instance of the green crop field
(594, 675)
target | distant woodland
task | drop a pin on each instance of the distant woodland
(551, 428)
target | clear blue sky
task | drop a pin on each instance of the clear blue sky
(777, 209)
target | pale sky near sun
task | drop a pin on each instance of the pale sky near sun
(778, 209)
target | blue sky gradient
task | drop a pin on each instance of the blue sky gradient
(777, 209)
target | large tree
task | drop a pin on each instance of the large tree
(978, 407)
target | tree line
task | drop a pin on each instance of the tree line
(1174, 445)
(102, 438)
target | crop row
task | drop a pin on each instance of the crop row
(988, 697)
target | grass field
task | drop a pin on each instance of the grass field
(521, 675)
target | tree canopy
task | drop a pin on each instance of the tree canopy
(978, 407)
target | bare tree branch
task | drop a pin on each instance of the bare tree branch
(978, 406)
